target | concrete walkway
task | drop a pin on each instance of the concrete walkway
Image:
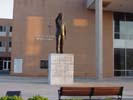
(30, 86)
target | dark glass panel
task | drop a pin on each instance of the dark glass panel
(10, 44)
(119, 73)
(129, 60)
(1, 64)
(129, 73)
(119, 59)
(129, 16)
(1, 29)
(43, 64)
(117, 36)
(0, 44)
(117, 26)
(10, 28)
(119, 16)
(5, 65)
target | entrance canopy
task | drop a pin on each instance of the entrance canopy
(113, 5)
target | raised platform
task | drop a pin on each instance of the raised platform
(61, 69)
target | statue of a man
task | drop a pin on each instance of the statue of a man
(60, 33)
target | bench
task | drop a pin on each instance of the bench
(90, 91)
(74, 91)
(108, 91)
(13, 93)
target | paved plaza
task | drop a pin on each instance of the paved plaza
(30, 86)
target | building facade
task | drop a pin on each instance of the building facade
(100, 37)
(5, 45)
(122, 35)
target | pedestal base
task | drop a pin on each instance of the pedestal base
(61, 69)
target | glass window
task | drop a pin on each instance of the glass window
(119, 59)
(123, 55)
(10, 28)
(119, 73)
(129, 73)
(1, 64)
(129, 16)
(10, 44)
(3, 43)
(0, 28)
(129, 56)
(0, 44)
(4, 28)
(43, 64)
(118, 17)
(117, 26)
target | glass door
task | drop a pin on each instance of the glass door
(6, 64)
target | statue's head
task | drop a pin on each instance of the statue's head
(60, 15)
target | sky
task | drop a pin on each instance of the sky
(6, 9)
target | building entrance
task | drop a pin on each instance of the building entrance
(5, 65)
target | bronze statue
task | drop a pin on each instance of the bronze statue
(60, 33)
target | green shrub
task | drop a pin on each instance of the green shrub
(11, 98)
(108, 99)
(38, 97)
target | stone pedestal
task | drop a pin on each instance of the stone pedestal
(61, 69)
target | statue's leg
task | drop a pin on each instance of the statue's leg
(57, 43)
(61, 44)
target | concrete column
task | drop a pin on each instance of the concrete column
(99, 38)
